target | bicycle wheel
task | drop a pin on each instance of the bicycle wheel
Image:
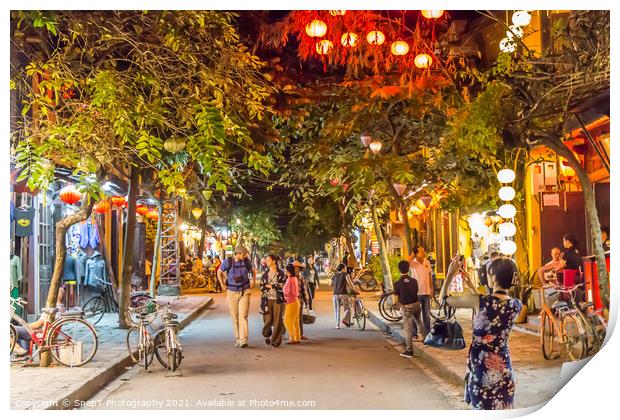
(600, 331)
(548, 341)
(72, 342)
(13, 337)
(387, 311)
(160, 348)
(574, 337)
(360, 313)
(94, 308)
(140, 354)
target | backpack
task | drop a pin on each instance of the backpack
(238, 281)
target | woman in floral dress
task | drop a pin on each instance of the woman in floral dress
(489, 382)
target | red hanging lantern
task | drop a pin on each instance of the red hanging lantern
(142, 209)
(118, 200)
(345, 187)
(152, 214)
(102, 207)
(334, 182)
(70, 194)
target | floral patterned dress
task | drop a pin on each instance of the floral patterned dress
(489, 382)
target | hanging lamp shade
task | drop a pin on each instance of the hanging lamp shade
(507, 45)
(316, 29)
(399, 48)
(70, 194)
(432, 14)
(324, 46)
(521, 18)
(174, 145)
(423, 61)
(375, 37)
(400, 188)
(507, 211)
(507, 229)
(349, 39)
(507, 193)
(197, 212)
(514, 30)
(426, 199)
(508, 247)
(102, 207)
(141, 209)
(375, 146)
(506, 176)
(337, 12)
(366, 139)
(118, 200)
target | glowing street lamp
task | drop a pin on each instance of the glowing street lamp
(375, 147)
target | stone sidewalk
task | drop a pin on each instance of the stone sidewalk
(61, 387)
(538, 379)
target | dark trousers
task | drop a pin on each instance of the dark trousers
(425, 303)
(311, 287)
(273, 327)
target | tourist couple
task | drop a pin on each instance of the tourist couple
(283, 294)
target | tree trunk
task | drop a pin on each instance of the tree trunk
(201, 244)
(350, 248)
(383, 256)
(108, 262)
(405, 217)
(60, 245)
(152, 283)
(130, 234)
(592, 215)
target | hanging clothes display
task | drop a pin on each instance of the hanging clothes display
(88, 234)
(16, 278)
(95, 274)
(23, 221)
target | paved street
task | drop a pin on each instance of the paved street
(336, 369)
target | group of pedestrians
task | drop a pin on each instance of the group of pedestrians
(287, 294)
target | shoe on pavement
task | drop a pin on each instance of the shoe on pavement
(337, 327)
(303, 337)
(237, 343)
(407, 354)
(19, 350)
(293, 342)
(267, 341)
(243, 345)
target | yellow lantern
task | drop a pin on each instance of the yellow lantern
(423, 61)
(567, 170)
(420, 205)
(432, 14)
(375, 37)
(415, 210)
(324, 46)
(399, 48)
(197, 212)
(316, 28)
(337, 12)
(349, 39)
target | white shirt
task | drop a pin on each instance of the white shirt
(423, 274)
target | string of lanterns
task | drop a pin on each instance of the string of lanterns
(507, 211)
(520, 19)
(317, 28)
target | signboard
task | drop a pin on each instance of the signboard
(551, 200)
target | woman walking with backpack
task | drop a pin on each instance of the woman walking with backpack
(291, 309)
(489, 380)
(237, 277)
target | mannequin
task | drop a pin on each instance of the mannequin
(16, 279)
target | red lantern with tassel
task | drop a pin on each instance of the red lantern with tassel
(70, 194)
(142, 209)
(118, 200)
(102, 207)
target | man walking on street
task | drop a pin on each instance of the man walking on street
(234, 275)
(406, 297)
(422, 272)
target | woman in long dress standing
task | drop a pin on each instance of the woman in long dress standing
(489, 379)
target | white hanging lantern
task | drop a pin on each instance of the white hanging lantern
(506, 193)
(521, 18)
(507, 211)
(508, 248)
(506, 176)
(507, 45)
(375, 146)
(507, 229)
(514, 30)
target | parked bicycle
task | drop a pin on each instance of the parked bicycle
(366, 280)
(386, 306)
(71, 340)
(359, 312)
(103, 300)
(578, 328)
(139, 341)
(168, 349)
